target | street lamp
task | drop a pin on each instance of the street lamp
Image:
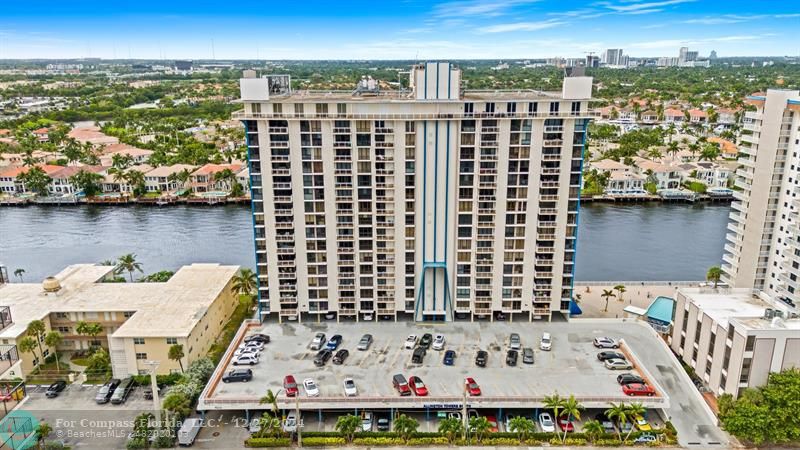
(153, 365)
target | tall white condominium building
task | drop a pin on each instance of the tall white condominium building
(763, 249)
(428, 204)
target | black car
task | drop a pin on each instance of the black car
(257, 338)
(106, 391)
(243, 375)
(148, 391)
(425, 341)
(384, 424)
(602, 356)
(608, 424)
(480, 358)
(418, 355)
(629, 378)
(322, 357)
(340, 356)
(122, 391)
(55, 388)
(511, 357)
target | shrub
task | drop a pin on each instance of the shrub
(53, 445)
(136, 443)
(506, 441)
(608, 443)
(377, 441)
(269, 442)
(427, 441)
(323, 441)
(571, 441)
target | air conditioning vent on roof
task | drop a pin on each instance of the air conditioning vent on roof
(769, 313)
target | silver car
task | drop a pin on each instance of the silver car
(617, 364)
(527, 355)
(514, 342)
(365, 342)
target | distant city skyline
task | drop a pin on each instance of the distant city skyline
(408, 30)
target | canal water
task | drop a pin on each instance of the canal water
(616, 242)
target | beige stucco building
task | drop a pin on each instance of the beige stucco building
(140, 321)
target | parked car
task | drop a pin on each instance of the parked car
(257, 345)
(425, 341)
(617, 364)
(472, 386)
(350, 389)
(411, 341)
(640, 423)
(366, 421)
(511, 357)
(401, 385)
(605, 342)
(514, 342)
(384, 424)
(258, 337)
(492, 423)
(546, 343)
(438, 342)
(608, 424)
(54, 389)
(243, 375)
(106, 391)
(334, 342)
(481, 357)
(122, 391)
(644, 439)
(602, 356)
(527, 355)
(246, 359)
(365, 342)
(322, 357)
(290, 423)
(638, 389)
(566, 425)
(246, 351)
(255, 425)
(310, 387)
(340, 356)
(189, 431)
(449, 358)
(628, 378)
(289, 385)
(546, 422)
(418, 386)
(419, 355)
(318, 341)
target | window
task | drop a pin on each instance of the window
(490, 108)
(127, 314)
(553, 108)
(533, 107)
(277, 108)
(322, 109)
(255, 108)
(63, 330)
(469, 108)
(141, 356)
(751, 343)
(298, 108)
(172, 341)
(138, 341)
(511, 107)
(62, 315)
(341, 108)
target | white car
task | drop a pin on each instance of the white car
(411, 341)
(514, 342)
(290, 423)
(546, 343)
(617, 364)
(438, 342)
(366, 421)
(246, 359)
(350, 389)
(258, 345)
(310, 387)
(246, 351)
(605, 342)
(546, 423)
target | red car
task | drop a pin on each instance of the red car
(417, 386)
(290, 386)
(493, 422)
(472, 386)
(565, 425)
(635, 389)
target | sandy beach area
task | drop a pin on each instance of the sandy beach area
(636, 293)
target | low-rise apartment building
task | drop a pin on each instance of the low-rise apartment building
(166, 178)
(140, 321)
(733, 338)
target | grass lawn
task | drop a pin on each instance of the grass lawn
(80, 361)
(152, 195)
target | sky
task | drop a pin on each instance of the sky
(406, 29)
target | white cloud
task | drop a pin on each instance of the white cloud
(521, 26)
(737, 18)
(486, 8)
(628, 7)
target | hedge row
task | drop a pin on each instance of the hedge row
(269, 442)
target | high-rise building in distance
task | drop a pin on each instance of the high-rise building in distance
(613, 57)
(763, 249)
(428, 203)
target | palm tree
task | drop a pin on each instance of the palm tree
(405, 426)
(522, 426)
(18, 273)
(176, 354)
(714, 274)
(621, 290)
(128, 263)
(270, 426)
(245, 282)
(36, 329)
(118, 175)
(619, 413)
(270, 399)
(554, 402)
(136, 181)
(670, 130)
(28, 345)
(694, 148)
(88, 329)
(347, 426)
(592, 429)
(633, 410)
(672, 148)
(227, 177)
(607, 293)
(571, 408)
(479, 426)
(451, 427)
(53, 339)
(43, 429)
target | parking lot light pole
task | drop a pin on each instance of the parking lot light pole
(464, 409)
(154, 386)
(298, 419)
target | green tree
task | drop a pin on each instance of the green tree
(244, 283)
(607, 294)
(451, 427)
(178, 404)
(128, 263)
(620, 290)
(619, 414)
(673, 148)
(714, 274)
(135, 179)
(73, 151)
(522, 426)
(556, 403)
(35, 179)
(593, 429)
(479, 426)
(227, 177)
(28, 345)
(270, 426)
(571, 408)
(176, 354)
(405, 426)
(161, 276)
(18, 273)
(121, 161)
(88, 182)
(633, 410)
(43, 429)
(36, 330)
(710, 152)
(270, 399)
(348, 425)
(53, 339)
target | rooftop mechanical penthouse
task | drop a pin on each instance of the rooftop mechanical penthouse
(427, 203)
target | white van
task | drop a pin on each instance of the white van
(189, 430)
(546, 343)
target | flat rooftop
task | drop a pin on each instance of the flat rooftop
(571, 368)
(724, 304)
(170, 309)
(302, 96)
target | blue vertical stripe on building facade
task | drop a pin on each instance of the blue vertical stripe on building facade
(584, 123)
(253, 213)
(424, 204)
(446, 206)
